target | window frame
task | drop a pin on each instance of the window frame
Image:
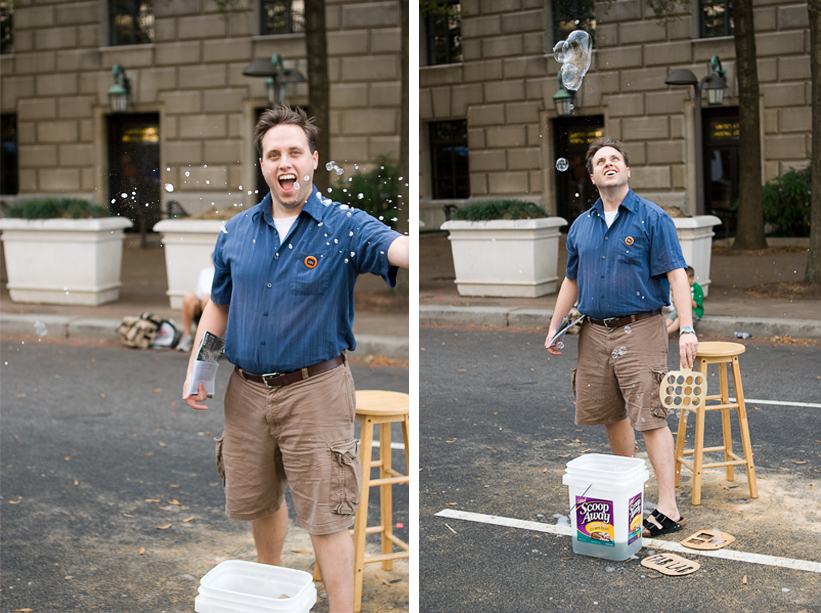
(447, 24)
(703, 5)
(137, 14)
(454, 177)
(291, 21)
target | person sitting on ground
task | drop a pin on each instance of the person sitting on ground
(193, 305)
(697, 297)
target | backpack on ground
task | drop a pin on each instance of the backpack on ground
(139, 332)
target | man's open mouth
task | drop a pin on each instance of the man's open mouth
(287, 182)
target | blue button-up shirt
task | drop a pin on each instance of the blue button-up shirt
(292, 301)
(621, 270)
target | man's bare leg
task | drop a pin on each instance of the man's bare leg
(662, 449)
(191, 307)
(335, 556)
(269, 535)
(621, 437)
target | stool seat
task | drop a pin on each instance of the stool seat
(722, 354)
(381, 403)
(719, 349)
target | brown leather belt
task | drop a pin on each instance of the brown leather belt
(617, 322)
(280, 379)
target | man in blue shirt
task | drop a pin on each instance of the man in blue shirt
(283, 299)
(623, 258)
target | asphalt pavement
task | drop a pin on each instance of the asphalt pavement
(496, 433)
(110, 497)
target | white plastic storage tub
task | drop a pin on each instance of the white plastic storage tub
(606, 496)
(237, 586)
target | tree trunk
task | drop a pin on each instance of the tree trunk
(404, 122)
(813, 274)
(319, 91)
(750, 228)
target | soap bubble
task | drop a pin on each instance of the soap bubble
(562, 164)
(306, 178)
(169, 188)
(296, 187)
(187, 173)
(361, 196)
(627, 329)
(40, 328)
(330, 166)
(339, 170)
(575, 55)
(123, 195)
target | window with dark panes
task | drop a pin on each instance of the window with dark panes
(131, 22)
(282, 16)
(716, 18)
(9, 182)
(449, 159)
(443, 32)
(6, 27)
(569, 15)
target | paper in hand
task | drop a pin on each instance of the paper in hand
(205, 365)
(566, 324)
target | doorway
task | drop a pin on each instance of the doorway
(575, 192)
(134, 169)
(720, 126)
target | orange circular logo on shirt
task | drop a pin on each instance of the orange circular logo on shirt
(311, 261)
(629, 241)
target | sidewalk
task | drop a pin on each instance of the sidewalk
(728, 307)
(380, 326)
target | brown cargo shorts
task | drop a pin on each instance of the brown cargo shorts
(619, 373)
(300, 435)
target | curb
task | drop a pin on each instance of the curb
(394, 347)
(715, 325)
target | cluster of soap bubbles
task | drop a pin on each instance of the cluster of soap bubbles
(332, 166)
(617, 352)
(574, 54)
(40, 328)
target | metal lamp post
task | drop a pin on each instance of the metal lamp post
(714, 84)
(563, 99)
(277, 77)
(118, 93)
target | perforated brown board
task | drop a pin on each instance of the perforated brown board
(670, 564)
(708, 540)
(683, 389)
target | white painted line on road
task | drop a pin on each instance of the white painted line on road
(782, 403)
(738, 556)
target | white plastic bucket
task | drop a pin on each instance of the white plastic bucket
(237, 586)
(606, 495)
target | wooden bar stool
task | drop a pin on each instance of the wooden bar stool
(383, 408)
(720, 353)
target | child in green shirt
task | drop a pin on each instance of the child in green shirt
(697, 295)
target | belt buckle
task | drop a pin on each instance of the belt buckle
(273, 375)
(606, 319)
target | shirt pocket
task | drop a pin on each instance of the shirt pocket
(311, 274)
(632, 250)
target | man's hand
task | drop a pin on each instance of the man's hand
(192, 399)
(688, 347)
(554, 348)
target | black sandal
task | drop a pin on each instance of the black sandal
(657, 524)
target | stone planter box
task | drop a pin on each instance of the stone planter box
(189, 245)
(696, 237)
(64, 261)
(506, 258)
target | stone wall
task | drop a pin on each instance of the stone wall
(59, 75)
(508, 77)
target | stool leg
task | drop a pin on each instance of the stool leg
(698, 455)
(385, 493)
(361, 520)
(725, 418)
(745, 430)
(680, 435)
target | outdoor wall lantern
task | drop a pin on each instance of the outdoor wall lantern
(118, 94)
(563, 99)
(278, 77)
(714, 84)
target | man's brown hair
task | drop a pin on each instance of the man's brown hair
(280, 115)
(597, 144)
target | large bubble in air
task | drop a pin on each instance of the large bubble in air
(575, 55)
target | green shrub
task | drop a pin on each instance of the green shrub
(786, 201)
(56, 208)
(489, 210)
(375, 191)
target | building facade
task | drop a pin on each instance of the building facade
(489, 125)
(186, 133)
